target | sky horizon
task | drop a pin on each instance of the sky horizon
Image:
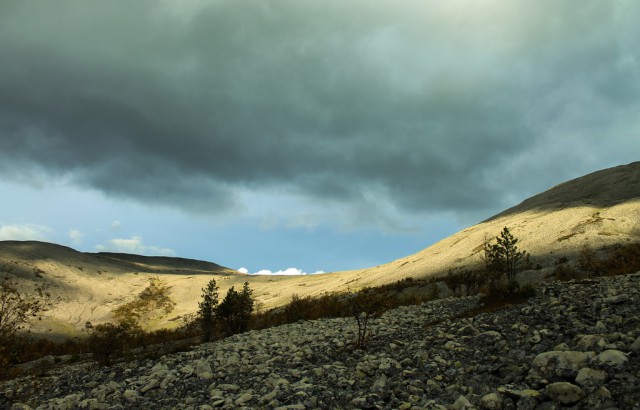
(297, 136)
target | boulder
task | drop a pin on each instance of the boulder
(491, 401)
(462, 403)
(635, 346)
(565, 393)
(612, 358)
(588, 377)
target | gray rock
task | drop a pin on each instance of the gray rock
(93, 404)
(518, 393)
(491, 401)
(635, 346)
(243, 399)
(462, 403)
(556, 362)
(203, 369)
(218, 403)
(535, 338)
(588, 377)
(229, 387)
(526, 403)
(489, 337)
(170, 378)
(381, 382)
(130, 395)
(612, 358)
(153, 384)
(591, 343)
(565, 393)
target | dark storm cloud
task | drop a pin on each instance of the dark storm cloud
(432, 104)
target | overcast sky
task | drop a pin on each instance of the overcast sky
(316, 135)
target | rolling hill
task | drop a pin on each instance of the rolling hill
(601, 209)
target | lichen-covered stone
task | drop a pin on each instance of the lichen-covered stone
(543, 354)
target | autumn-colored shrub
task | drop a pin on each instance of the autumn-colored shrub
(153, 299)
(564, 270)
(109, 340)
(619, 260)
(589, 262)
(624, 259)
(466, 282)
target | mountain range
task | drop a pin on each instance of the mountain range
(599, 210)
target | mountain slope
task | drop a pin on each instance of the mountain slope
(601, 189)
(88, 287)
(600, 209)
(58, 257)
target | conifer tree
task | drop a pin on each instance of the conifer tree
(235, 309)
(207, 309)
(504, 256)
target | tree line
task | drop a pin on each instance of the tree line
(225, 318)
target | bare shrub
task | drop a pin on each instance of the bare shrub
(365, 305)
(16, 308)
(15, 311)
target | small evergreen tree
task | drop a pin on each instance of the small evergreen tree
(235, 309)
(247, 304)
(504, 256)
(207, 309)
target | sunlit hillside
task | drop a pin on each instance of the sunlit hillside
(598, 210)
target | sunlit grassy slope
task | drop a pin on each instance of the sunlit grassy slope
(599, 210)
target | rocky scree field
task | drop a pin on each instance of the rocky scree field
(574, 345)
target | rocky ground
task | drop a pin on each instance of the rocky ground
(575, 345)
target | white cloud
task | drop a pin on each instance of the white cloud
(286, 272)
(115, 225)
(76, 236)
(28, 232)
(133, 245)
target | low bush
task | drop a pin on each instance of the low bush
(152, 300)
(564, 270)
(110, 340)
(618, 260)
(365, 305)
(622, 260)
